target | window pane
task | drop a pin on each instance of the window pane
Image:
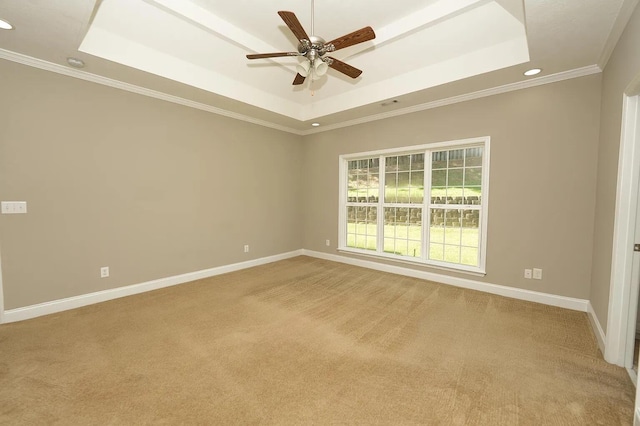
(469, 256)
(416, 191)
(472, 176)
(473, 195)
(438, 186)
(391, 164)
(456, 158)
(454, 186)
(417, 162)
(404, 163)
(452, 227)
(403, 187)
(351, 216)
(470, 228)
(414, 248)
(454, 178)
(451, 253)
(352, 186)
(389, 246)
(373, 185)
(390, 188)
(436, 251)
(439, 160)
(473, 156)
(439, 178)
(436, 232)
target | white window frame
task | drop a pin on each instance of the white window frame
(427, 149)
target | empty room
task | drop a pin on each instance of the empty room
(319, 212)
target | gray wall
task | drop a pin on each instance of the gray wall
(154, 189)
(544, 143)
(622, 68)
(149, 188)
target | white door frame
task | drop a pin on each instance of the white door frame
(623, 284)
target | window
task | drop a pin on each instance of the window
(424, 204)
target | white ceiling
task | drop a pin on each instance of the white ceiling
(426, 52)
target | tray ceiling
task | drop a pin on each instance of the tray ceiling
(426, 52)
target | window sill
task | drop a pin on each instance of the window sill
(429, 264)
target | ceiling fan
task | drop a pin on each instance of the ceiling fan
(314, 49)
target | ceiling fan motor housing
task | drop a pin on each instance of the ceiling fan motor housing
(315, 48)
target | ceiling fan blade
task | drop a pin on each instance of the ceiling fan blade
(360, 36)
(345, 68)
(271, 55)
(298, 80)
(294, 25)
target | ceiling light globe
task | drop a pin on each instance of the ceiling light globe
(320, 68)
(303, 68)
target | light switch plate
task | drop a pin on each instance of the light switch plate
(14, 207)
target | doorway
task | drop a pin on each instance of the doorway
(625, 267)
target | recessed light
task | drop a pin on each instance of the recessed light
(532, 71)
(4, 25)
(315, 124)
(75, 62)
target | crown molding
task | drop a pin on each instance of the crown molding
(553, 78)
(83, 75)
(105, 81)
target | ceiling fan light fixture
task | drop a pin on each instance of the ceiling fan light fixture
(320, 67)
(313, 49)
(303, 68)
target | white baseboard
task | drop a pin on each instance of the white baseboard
(633, 376)
(33, 311)
(515, 293)
(60, 305)
(597, 328)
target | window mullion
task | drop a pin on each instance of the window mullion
(426, 202)
(380, 215)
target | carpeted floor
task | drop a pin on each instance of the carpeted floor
(309, 341)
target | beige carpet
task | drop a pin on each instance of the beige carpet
(309, 341)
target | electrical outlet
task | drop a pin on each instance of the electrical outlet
(537, 273)
(246, 248)
(328, 243)
(527, 274)
(104, 272)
